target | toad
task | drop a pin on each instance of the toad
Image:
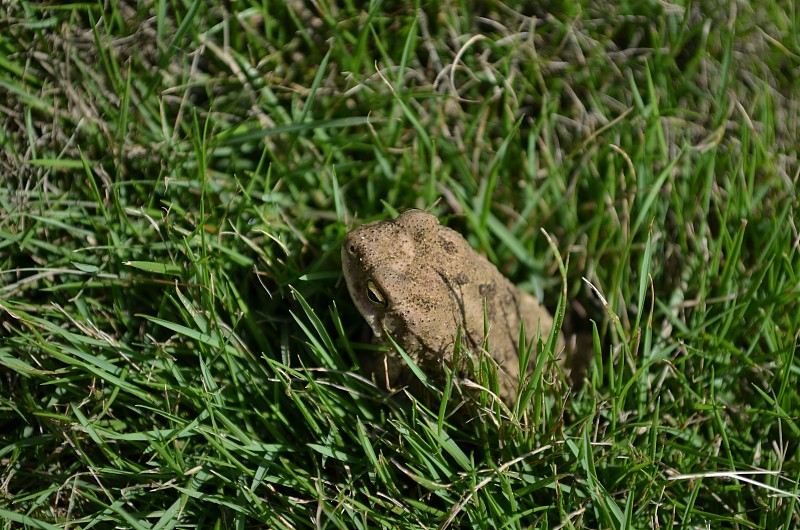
(420, 282)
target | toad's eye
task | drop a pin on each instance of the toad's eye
(375, 295)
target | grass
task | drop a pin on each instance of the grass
(177, 347)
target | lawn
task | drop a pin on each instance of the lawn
(177, 344)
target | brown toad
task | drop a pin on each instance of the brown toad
(419, 282)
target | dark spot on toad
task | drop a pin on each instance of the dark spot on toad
(486, 290)
(447, 245)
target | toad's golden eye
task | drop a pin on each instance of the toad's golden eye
(375, 295)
